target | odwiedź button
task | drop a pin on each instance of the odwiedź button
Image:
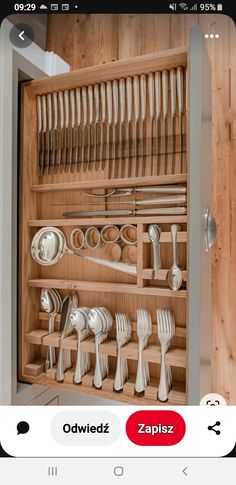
(21, 35)
(155, 428)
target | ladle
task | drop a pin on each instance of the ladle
(49, 246)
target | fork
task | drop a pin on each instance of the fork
(144, 330)
(123, 335)
(165, 330)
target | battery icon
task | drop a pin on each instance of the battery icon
(219, 6)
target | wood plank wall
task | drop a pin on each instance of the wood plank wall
(85, 40)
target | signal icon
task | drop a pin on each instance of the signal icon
(194, 7)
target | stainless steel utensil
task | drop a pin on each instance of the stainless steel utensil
(123, 335)
(79, 321)
(125, 191)
(114, 165)
(91, 127)
(173, 113)
(109, 119)
(158, 103)
(49, 124)
(100, 322)
(62, 132)
(66, 148)
(104, 127)
(136, 139)
(84, 129)
(122, 121)
(171, 199)
(78, 144)
(143, 92)
(49, 246)
(175, 277)
(45, 136)
(180, 93)
(64, 358)
(134, 212)
(165, 330)
(72, 129)
(151, 114)
(40, 136)
(55, 134)
(129, 97)
(52, 305)
(144, 330)
(164, 79)
(96, 126)
(154, 233)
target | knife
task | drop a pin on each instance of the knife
(45, 135)
(159, 189)
(64, 358)
(40, 136)
(171, 199)
(135, 212)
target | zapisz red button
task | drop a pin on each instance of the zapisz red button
(155, 428)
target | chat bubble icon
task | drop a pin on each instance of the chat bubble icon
(22, 427)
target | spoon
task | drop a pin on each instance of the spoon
(78, 319)
(52, 306)
(49, 246)
(175, 277)
(98, 325)
(154, 233)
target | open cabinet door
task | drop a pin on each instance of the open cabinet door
(199, 342)
(16, 65)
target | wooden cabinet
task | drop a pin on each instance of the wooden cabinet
(63, 155)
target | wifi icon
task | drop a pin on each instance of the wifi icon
(183, 6)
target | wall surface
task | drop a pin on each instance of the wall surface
(85, 40)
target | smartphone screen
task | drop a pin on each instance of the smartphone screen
(117, 246)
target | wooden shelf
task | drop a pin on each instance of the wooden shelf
(106, 287)
(177, 395)
(175, 356)
(147, 274)
(182, 237)
(102, 221)
(113, 183)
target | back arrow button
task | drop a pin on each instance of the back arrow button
(21, 35)
(184, 471)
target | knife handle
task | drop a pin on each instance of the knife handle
(143, 96)
(173, 91)
(165, 92)
(158, 94)
(180, 88)
(151, 94)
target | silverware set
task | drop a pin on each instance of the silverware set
(99, 321)
(83, 128)
(176, 198)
